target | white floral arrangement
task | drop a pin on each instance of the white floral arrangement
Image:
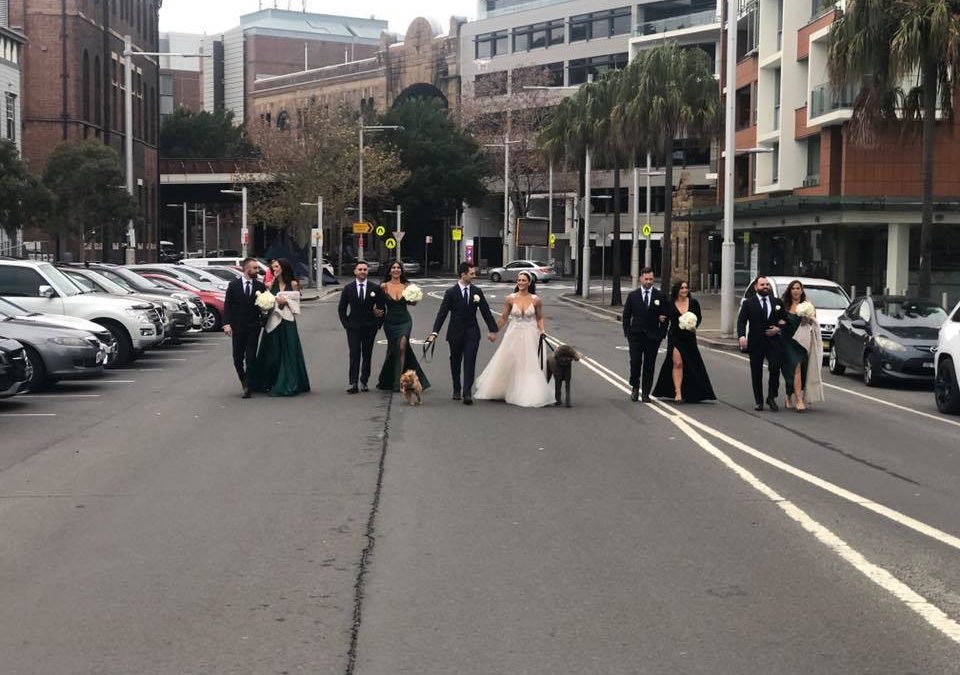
(806, 310)
(687, 321)
(265, 301)
(476, 299)
(412, 294)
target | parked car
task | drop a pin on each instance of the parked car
(349, 262)
(224, 272)
(191, 275)
(176, 311)
(411, 266)
(946, 365)
(140, 284)
(541, 271)
(41, 287)
(213, 300)
(887, 337)
(54, 353)
(222, 261)
(106, 338)
(13, 367)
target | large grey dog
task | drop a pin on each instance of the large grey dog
(560, 369)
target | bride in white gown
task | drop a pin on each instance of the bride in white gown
(513, 373)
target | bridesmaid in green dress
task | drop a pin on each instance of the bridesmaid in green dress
(280, 369)
(795, 357)
(397, 326)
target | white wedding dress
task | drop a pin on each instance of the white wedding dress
(513, 373)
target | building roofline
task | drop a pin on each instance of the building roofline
(796, 205)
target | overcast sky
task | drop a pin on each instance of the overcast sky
(216, 16)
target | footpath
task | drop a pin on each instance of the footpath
(708, 334)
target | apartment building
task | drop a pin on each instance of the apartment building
(575, 41)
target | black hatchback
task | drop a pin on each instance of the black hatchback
(887, 337)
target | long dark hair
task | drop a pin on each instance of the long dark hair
(531, 288)
(787, 298)
(386, 274)
(675, 290)
(286, 272)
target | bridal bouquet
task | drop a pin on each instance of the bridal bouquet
(687, 321)
(265, 301)
(412, 294)
(805, 310)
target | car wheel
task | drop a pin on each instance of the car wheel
(36, 371)
(945, 388)
(870, 376)
(211, 320)
(124, 344)
(495, 277)
(836, 367)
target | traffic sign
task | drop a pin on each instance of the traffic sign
(647, 230)
(390, 243)
(362, 228)
(428, 239)
(457, 234)
(381, 230)
(316, 236)
(398, 235)
(553, 240)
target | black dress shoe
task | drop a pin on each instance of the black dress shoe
(772, 404)
(758, 407)
(467, 400)
(246, 393)
(456, 396)
(645, 399)
(353, 390)
(364, 387)
(635, 394)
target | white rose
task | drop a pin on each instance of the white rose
(656, 302)
(372, 294)
(476, 299)
(778, 308)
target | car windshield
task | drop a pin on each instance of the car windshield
(131, 279)
(60, 281)
(909, 313)
(84, 284)
(12, 309)
(199, 276)
(826, 297)
(540, 264)
(108, 285)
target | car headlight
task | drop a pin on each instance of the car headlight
(141, 315)
(888, 344)
(69, 342)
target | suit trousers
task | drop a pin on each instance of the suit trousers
(643, 358)
(244, 351)
(772, 353)
(361, 341)
(463, 352)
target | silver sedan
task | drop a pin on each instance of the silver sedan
(541, 271)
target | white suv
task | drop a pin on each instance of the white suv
(946, 363)
(40, 287)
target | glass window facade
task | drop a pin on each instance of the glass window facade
(492, 44)
(581, 70)
(598, 25)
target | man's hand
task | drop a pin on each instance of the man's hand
(492, 337)
(661, 318)
(431, 338)
(228, 329)
(377, 312)
(743, 344)
(771, 331)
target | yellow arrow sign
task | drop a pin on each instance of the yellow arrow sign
(553, 240)
(362, 228)
(647, 230)
(457, 234)
(390, 243)
(381, 230)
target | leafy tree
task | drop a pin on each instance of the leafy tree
(23, 199)
(903, 56)
(186, 134)
(86, 179)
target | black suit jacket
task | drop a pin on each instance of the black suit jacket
(641, 321)
(356, 313)
(240, 312)
(752, 323)
(463, 314)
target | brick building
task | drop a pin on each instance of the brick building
(11, 48)
(73, 89)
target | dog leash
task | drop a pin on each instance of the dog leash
(428, 349)
(540, 350)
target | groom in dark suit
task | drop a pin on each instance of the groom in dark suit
(765, 316)
(242, 319)
(461, 302)
(644, 326)
(361, 312)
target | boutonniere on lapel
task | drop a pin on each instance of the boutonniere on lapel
(656, 302)
(372, 294)
(778, 308)
(476, 299)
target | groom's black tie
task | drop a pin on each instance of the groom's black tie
(466, 292)
(246, 288)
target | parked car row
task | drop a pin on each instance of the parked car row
(70, 321)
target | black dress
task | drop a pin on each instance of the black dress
(696, 385)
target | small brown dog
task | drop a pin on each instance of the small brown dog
(411, 388)
(560, 368)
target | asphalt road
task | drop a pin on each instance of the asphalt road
(167, 526)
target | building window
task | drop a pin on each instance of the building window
(600, 24)
(85, 85)
(813, 162)
(490, 84)
(166, 94)
(538, 36)
(775, 158)
(776, 98)
(97, 91)
(586, 70)
(602, 201)
(10, 106)
(493, 44)
(546, 75)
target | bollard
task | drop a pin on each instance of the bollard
(703, 283)
(869, 291)
(886, 291)
(716, 283)
(946, 306)
(853, 291)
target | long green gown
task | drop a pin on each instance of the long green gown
(396, 324)
(280, 369)
(794, 356)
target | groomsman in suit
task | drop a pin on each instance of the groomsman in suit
(644, 326)
(361, 312)
(461, 302)
(766, 316)
(242, 319)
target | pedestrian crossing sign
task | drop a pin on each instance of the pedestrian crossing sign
(390, 243)
(647, 230)
(381, 230)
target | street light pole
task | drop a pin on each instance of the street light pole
(244, 232)
(585, 254)
(728, 248)
(398, 235)
(131, 254)
(367, 127)
(318, 243)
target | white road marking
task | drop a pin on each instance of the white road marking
(881, 577)
(164, 357)
(28, 414)
(116, 381)
(136, 370)
(853, 392)
(58, 395)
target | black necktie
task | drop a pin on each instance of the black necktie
(646, 298)
(246, 288)
(466, 291)
(360, 292)
(766, 311)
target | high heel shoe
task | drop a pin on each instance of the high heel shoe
(677, 397)
(788, 401)
(801, 407)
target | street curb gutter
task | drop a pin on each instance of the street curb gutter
(321, 296)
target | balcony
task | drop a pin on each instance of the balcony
(705, 19)
(824, 100)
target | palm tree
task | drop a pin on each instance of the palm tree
(673, 94)
(878, 46)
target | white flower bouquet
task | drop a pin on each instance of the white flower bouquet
(265, 301)
(687, 321)
(412, 294)
(805, 310)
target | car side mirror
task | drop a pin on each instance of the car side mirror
(859, 324)
(47, 291)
